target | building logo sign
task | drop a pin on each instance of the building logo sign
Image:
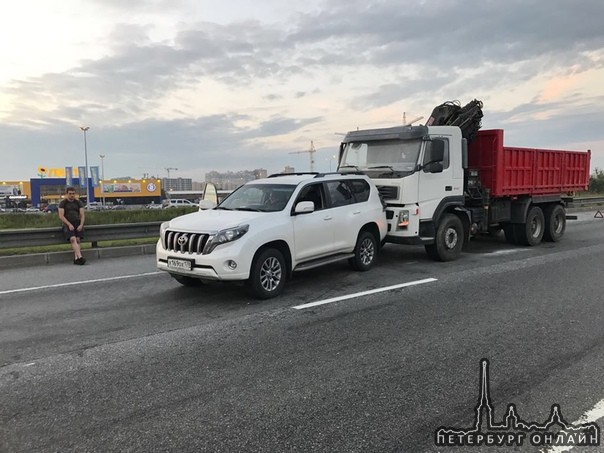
(151, 187)
(514, 431)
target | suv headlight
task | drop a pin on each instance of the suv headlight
(224, 236)
(163, 227)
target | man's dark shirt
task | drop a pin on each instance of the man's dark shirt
(72, 211)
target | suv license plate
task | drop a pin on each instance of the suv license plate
(181, 265)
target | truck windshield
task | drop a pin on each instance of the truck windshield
(394, 156)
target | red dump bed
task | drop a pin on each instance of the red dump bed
(510, 171)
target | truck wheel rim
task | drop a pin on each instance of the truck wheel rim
(558, 224)
(270, 274)
(451, 238)
(367, 251)
(535, 227)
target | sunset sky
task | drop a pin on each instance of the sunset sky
(202, 85)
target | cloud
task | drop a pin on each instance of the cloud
(177, 84)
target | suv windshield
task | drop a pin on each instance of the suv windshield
(258, 197)
(395, 157)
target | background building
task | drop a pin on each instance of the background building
(231, 180)
(177, 184)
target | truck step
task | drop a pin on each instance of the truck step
(321, 261)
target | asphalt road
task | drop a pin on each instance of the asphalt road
(113, 356)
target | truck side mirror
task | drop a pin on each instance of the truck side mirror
(434, 167)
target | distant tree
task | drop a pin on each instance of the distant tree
(596, 181)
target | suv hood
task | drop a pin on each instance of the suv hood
(213, 220)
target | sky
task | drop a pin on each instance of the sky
(200, 85)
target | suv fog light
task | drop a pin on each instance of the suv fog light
(231, 265)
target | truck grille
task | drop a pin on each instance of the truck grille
(176, 241)
(388, 192)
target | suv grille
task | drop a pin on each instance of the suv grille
(185, 242)
(388, 192)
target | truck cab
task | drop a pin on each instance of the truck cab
(419, 173)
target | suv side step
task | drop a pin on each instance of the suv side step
(321, 261)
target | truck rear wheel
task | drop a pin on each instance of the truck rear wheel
(448, 241)
(555, 223)
(531, 232)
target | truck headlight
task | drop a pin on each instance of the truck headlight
(403, 219)
(224, 236)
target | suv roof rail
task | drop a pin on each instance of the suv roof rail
(342, 173)
(301, 173)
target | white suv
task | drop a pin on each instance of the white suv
(269, 228)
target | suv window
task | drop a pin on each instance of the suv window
(339, 193)
(360, 189)
(314, 193)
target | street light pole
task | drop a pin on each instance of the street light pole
(102, 156)
(85, 129)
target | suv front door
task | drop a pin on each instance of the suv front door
(313, 232)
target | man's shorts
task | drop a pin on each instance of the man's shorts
(69, 234)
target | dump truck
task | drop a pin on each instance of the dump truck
(439, 190)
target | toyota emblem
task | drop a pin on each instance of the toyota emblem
(182, 240)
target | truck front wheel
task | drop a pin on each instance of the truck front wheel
(555, 223)
(448, 241)
(531, 232)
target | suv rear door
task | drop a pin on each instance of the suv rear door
(349, 208)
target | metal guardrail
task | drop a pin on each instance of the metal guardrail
(586, 202)
(32, 237)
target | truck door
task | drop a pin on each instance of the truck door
(434, 185)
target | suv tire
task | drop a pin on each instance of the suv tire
(365, 252)
(267, 275)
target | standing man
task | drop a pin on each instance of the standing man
(71, 213)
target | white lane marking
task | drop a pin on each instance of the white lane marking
(60, 285)
(363, 293)
(505, 252)
(591, 416)
(30, 364)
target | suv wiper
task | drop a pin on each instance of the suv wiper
(221, 207)
(245, 208)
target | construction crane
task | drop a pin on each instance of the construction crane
(405, 123)
(168, 170)
(311, 151)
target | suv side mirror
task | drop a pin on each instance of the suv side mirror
(304, 207)
(206, 204)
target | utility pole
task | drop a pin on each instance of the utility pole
(85, 129)
(311, 151)
(102, 156)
